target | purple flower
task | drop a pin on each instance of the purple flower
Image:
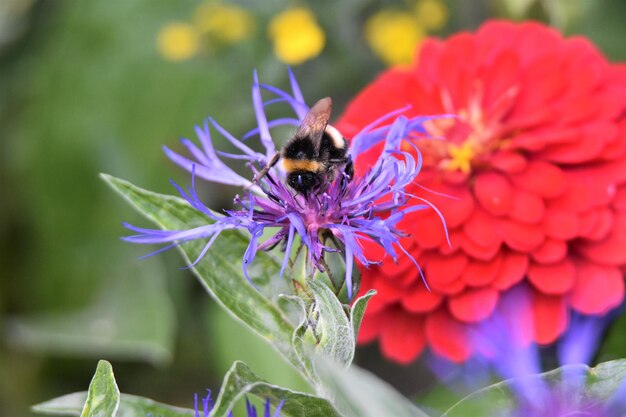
(347, 211)
(207, 406)
(507, 348)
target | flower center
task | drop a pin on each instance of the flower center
(466, 141)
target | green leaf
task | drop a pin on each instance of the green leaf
(325, 328)
(132, 317)
(67, 405)
(220, 270)
(591, 386)
(103, 397)
(130, 406)
(332, 326)
(240, 380)
(299, 342)
(358, 393)
(358, 310)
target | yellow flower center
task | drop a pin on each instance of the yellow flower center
(460, 157)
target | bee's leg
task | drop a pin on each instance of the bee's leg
(266, 169)
(349, 169)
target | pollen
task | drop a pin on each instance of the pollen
(178, 41)
(296, 35)
(460, 157)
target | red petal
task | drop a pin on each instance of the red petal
(619, 202)
(541, 178)
(373, 251)
(403, 271)
(612, 249)
(376, 303)
(556, 278)
(390, 92)
(591, 186)
(482, 273)
(521, 237)
(454, 201)
(542, 83)
(388, 289)
(502, 75)
(425, 227)
(472, 249)
(447, 337)
(494, 192)
(402, 338)
(596, 224)
(481, 228)
(589, 145)
(473, 304)
(509, 162)
(527, 207)
(372, 325)
(550, 251)
(617, 148)
(598, 288)
(513, 269)
(563, 225)
(448, 288)
(454, 73)
(420, 300)
(537, 139)
(550, 315)
(443, 269)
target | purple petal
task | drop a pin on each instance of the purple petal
(261, 119)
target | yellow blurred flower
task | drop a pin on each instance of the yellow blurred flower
(227, 23)
(178, 41)
(296, 35)
(431, 14)
(393, 35)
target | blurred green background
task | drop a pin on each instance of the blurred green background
(98, 86)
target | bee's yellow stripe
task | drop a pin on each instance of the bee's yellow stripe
(291, 165)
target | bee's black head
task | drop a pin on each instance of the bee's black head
(304, 181)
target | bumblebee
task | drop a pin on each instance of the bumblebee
(313, 157)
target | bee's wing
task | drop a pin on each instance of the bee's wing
(315, 122)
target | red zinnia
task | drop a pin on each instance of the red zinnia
(536, 161)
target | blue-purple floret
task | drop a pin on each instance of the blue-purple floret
(352, 210)
(207, 406)
(506, 347)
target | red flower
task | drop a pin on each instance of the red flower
(536, 160)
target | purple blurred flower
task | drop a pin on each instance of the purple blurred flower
(350, 211)
(207, 406)
(507, 348)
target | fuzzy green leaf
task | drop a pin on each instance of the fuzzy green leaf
(358, 310)
(220, 270)
(358, 393)
(103, 397)
(592, 387)
(130, 406)
(332, 326)
(240, 381)
(325, 328)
